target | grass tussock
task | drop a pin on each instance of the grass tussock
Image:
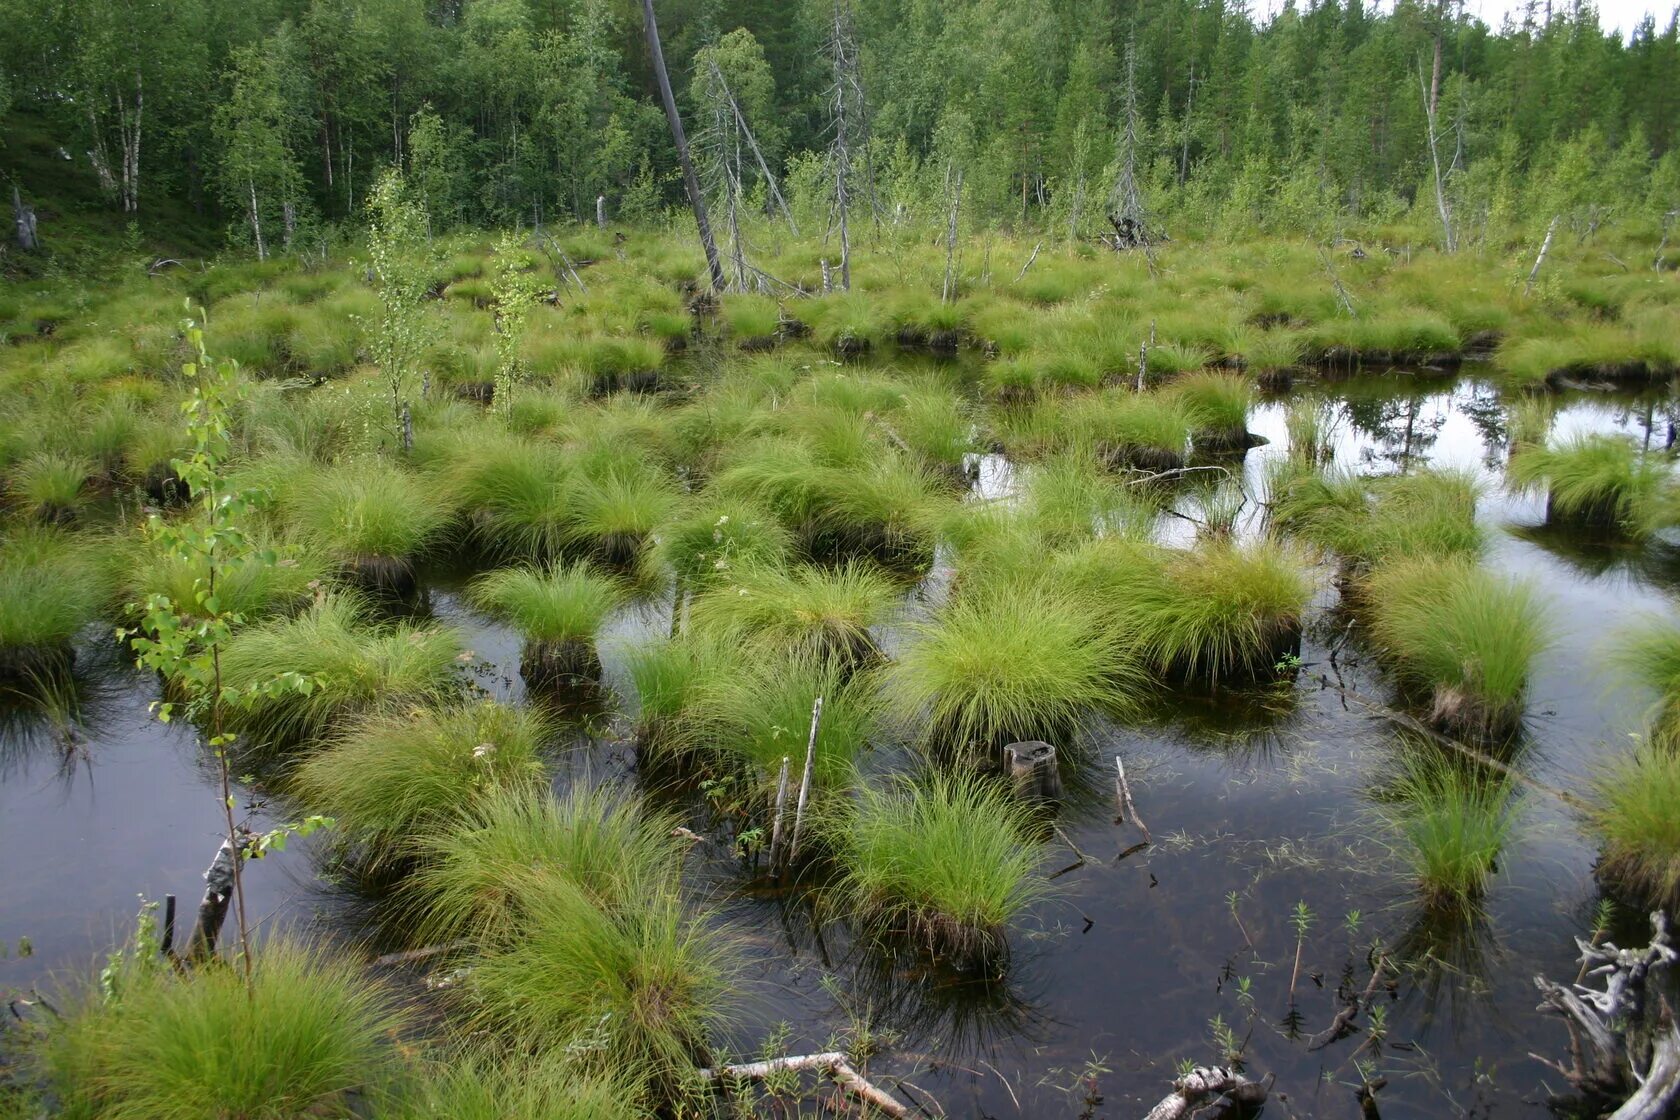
(642, 989)
(473, 876)
(760, 713)
(1600, 481)
(826, 612)
(716, 537)
(370, 517)
(495, 1087)
(1650, 655)
(1632, 815)
(1450, 823)
(950, 862)
(1467, 635)
(354, 666)
(1010, 662)
(1368, 521)
(50, 587)
(397, 776)
(311, 1038)
(557, 609)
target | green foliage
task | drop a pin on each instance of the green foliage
(495, 1087)
(515, 289)
(396, 776)
(367, 515)
(1468, 635)
(1650, 655)
(1371, 520)
(950, 861)
(308, 1036)
(759, 712)
(559, 603)
(396, 254)
(716, 536)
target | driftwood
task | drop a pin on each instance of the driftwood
(409, 956)
(833, 1062)
(1620, 1047)
(1194, 1088)
(1123, 796)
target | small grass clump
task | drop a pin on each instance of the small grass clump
(50, 486)
(397, 775)
(760, 713)
(718, 536)
(1451, 823)
(1600, 481)
(1222, 611)
(818, 610)
(354, 666)
(311, 1037)
(1650, 654)
(752, 320)
(615, 510)
(1367, 521)
(557, 609)
(641, 989)
(1632, 814)
(668, 678)
(371, 518)
(516, 495)
(474, 875)
(1013, 661)
(1467, 635)
(949, 861)
(485, 1087)
(252, 590)
(50, 587)
(1218, 405)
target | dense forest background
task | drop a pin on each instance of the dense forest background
(519, 111)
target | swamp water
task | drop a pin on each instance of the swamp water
(1132, 964)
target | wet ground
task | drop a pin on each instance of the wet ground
(1256, 803)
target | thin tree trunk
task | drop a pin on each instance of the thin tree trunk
(27, 239)
(256, 222)
(949, 292)
(690, 182)
(1442, 206)
(1545, 246)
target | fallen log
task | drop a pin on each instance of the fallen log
(1194, 1088)
(832, 1062)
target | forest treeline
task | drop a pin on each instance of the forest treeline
(277, 116)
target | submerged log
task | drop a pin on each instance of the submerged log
(832, 1062)
(1194, 1088)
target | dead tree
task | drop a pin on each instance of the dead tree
(1624, 1045)
(721, 145)
(23, 217)
(1125, 201)
(954, 192)
(1443, 206)
(846, 107)
(691, 182)
(1540, 258)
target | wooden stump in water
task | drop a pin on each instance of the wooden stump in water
(1032, 767)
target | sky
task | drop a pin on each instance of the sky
(1622, 14)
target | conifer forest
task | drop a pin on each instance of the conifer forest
(767, 559)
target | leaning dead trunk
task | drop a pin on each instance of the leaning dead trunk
(218, 894)
(691, 182)
(23, 217)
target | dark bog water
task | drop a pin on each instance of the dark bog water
(1255, 803)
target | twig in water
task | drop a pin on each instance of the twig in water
(1123, 790)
